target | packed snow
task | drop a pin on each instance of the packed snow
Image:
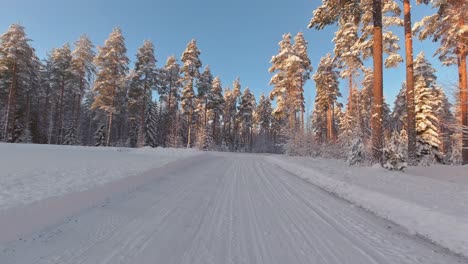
(31, 173)
(222, 208)
(428, 201)
(64, 204)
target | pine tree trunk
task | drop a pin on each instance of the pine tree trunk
(411, 120)
(377, 102)
(463, 95)
(110, 115)
(109, 128)
(141, 131)
(11, 103)
(189, 130)
(61, 115)
(78, 107)
(214, 128)
(170, 119)
(350, 99)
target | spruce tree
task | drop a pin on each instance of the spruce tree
(151, 125)
(448, 26)
(427, 134)
(143, 82)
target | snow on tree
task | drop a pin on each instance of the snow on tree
(327, 93)
(263, 111)
(83, 70)
(112, 65)
(445, 117)
(448, 26)
(204, 89)
(356, 154)
(216, 104)
(143, 82)
(427, 137)
(61, 81)
(349, 62)
(393, 159)
(151, 125)
(400, 110)
(16, 67)
(230, 125)
(100, 136)
(170, 84)
(291, 67)
(190, 69)
(302, 75)
(373, 42)
(245, 115)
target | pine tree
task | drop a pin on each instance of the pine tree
(373, 42)
(291, 68)
(264, 110)
(302, 75)
(245, 114)
(190, 69)
(83, 71)
(170, 97)
(216, 105)
(16, 65)
(143, 82)
(327, 93)
(61, 81)
(112, 64)
(204, 89)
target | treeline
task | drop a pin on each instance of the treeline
(77, 96)
(423, 127)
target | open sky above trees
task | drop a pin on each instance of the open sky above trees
(237, 38)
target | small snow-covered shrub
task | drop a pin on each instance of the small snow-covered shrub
(393, 158)
(356, 154)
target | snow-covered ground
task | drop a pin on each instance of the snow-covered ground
(429, 201)
(223, 208)
(32, 173)
(115, 205)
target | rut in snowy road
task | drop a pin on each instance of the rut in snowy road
(224, 208)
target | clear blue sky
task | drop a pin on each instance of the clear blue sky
(236, 38)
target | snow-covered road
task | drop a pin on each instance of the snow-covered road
(222, 208)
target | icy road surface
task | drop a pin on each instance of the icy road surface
(212, 208)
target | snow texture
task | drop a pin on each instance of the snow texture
(429, 202)
(214, 208)
(31, 173)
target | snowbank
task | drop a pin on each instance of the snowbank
(382, 193)
(31, 173)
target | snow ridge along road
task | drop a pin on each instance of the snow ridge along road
(446, 229)
(223, 208)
